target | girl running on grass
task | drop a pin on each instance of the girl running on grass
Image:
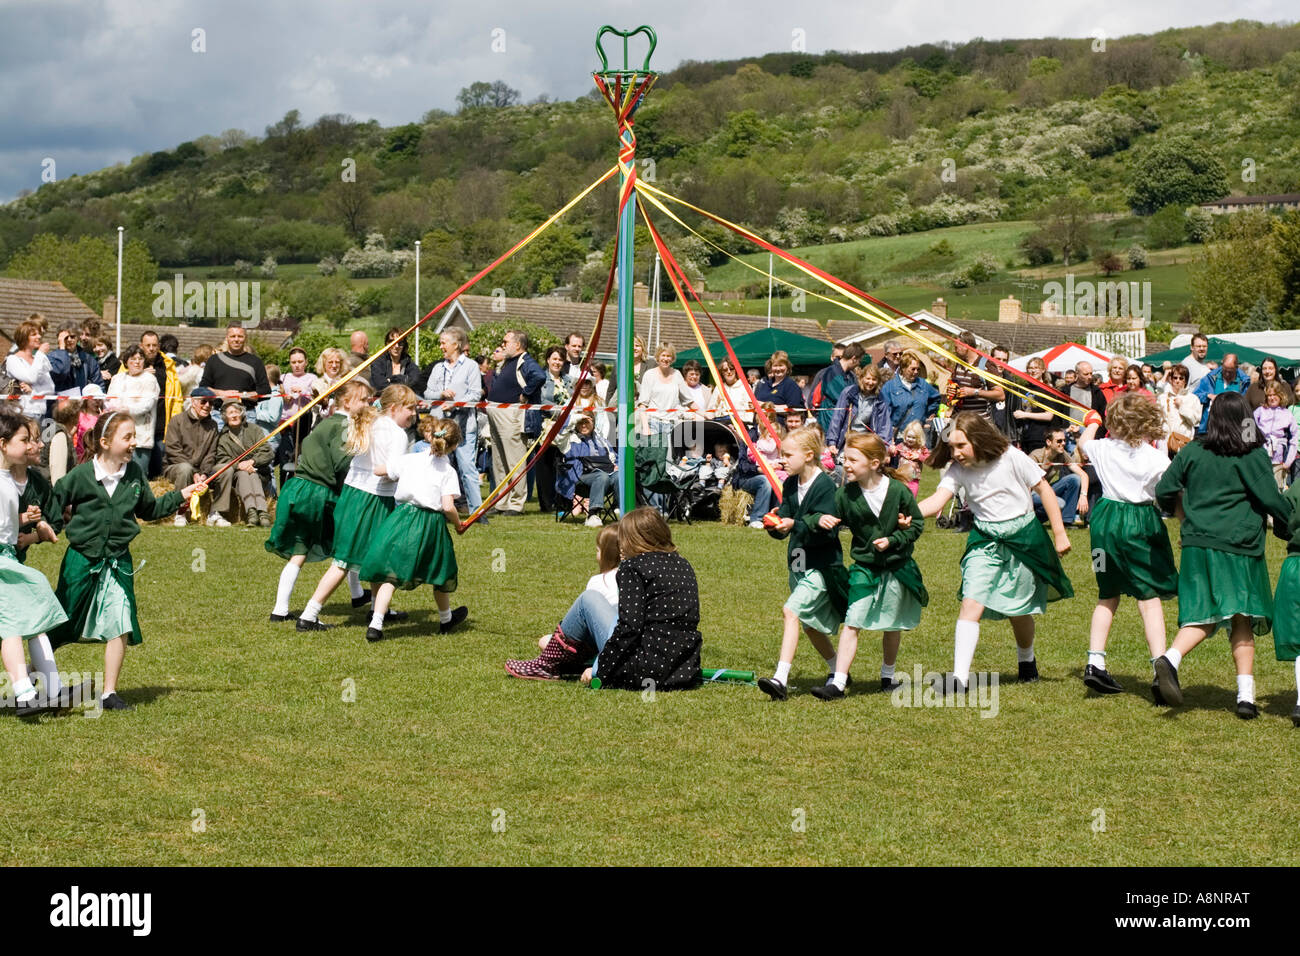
(304, 515)
(412, 546)
(886, 592)
(28, 607)
(1131, 553)
(1223, 483)
(1010, 568)
(105, 496)
(818, 581)
(375, 437)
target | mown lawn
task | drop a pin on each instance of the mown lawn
(243, 748)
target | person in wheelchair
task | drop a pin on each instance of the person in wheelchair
(588, 464)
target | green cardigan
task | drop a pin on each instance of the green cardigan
(867, 526)
(38, 492)
(1225, 499)
(1293, 526)
(811, 547)
(103, 527)
(323, 459)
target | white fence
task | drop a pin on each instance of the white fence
(1131, 345)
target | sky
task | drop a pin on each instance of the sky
(89, 84)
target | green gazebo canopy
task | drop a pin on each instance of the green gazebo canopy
(755, 348)
(1217, 350)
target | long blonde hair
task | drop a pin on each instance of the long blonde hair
(363, 419)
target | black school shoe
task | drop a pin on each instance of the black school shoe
(1100, 680)
(390, 616)
(303, 625)
(827, 691)
(457, 617)
(113, 702)
(1295, 716)
(1158, 697)
(1167, 681)
(281, 618)
(363, 600)
(889, 684)
(38, 705)
(1027, 671)
(374, 634)
(947, 684)
(1247, 709)
(777, 691)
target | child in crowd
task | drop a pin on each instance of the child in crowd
(304, 514)
(297, 388)
(248, 477)
(1223, 487)
(1010, 568)
(758, 485)
(818, 581)
(1130, 547)
(412, 546)
(886, 592)
(375, 437)
(60, 455)
(1279, 430)
(653, 638)
(911, 453)
(104, 498)
(91, 407)
(28, 608)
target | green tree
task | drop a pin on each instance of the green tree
(1175, 170)
(1286, 242)
(1259, 318)
(1233, 272)
(1066, 226)
(88, 267)
(486, 337)
(1167, 228)
(550, 256)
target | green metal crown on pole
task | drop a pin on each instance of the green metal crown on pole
(624, 89)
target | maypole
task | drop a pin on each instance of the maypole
(624, 89)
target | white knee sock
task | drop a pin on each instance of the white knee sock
(1246, 687)
(377, 621)
(886, 671)
(288, 578)
(23, 690)
(311, 612)
(43, 661)
(966, 635)
(782, 672)
(1024, 654)
(840, 679)
(1097, 659)
(1174, 657)
(354, 585)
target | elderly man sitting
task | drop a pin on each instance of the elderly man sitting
(191, 448)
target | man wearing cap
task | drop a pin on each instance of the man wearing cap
(191, 449)
(71, 366)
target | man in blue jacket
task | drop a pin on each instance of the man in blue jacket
(910, 397)
(1223, 379)
(72, 367)
(518, 381)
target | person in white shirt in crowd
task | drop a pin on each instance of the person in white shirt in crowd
(29, 365)
(135, 391)
(1197, 367)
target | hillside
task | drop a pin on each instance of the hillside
(806, 149)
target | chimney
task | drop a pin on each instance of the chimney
(1009, 309)
(110, 311)
(640, 296)
(940, 308)
(1048, 309)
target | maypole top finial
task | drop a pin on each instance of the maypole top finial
(626, 35)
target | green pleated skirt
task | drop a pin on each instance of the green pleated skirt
(99, 596)
(810, 601)
(357, 517)
(27, 605)
(1213, 586)
(1131, 553)
(410, 548)
(304, 521)
(1012, 568)
(1286, 614)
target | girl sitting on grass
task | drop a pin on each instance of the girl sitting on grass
(1010, 568)
(1223, 483)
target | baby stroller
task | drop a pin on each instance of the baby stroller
(955, 515)
(666, 484)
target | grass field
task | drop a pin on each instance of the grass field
(246, 723)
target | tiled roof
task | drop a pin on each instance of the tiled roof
(19, 298)
(562, 317)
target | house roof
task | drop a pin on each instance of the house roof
(19, 298)
(191, 337)
(1253, 200)
(562, 317)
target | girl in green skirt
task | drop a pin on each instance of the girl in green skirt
(106, 495)
(886, 592)
(1286, 627)
(1222, 487)
(818, 582)
(413, 546)
(375, 437)
(1011, 569)
(304, 515)
(1131, 553)
(28, 607)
